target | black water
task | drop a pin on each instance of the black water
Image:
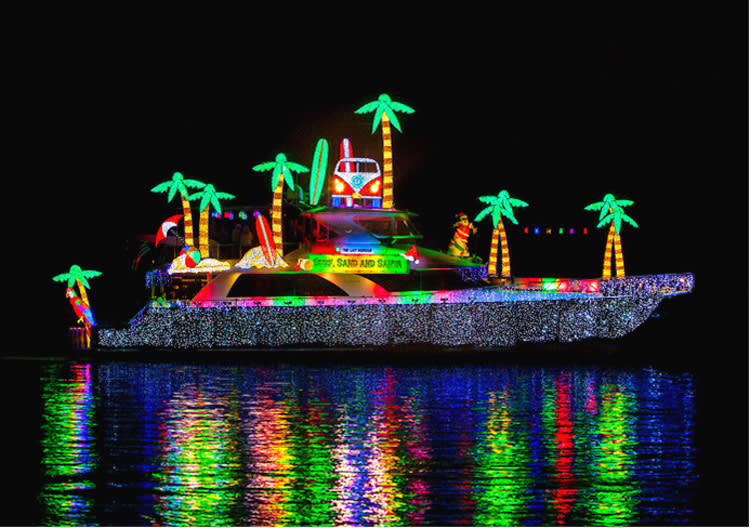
(646, 430)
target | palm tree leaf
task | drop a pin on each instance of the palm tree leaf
(289, 179)
(624, 203)
(497, 215)
(173, 191)
(205, 200)
(605, 212)
(277, 173)
(488, 199)
(162, 187)
(215, 202)
(507, 211)
(90, 274)
(618, 222)
(393, 118)
(604, 221)
(515, 202)
(296, 167)
(193, 184)
(62, 277)
(594, 206)
(376, 121)
(268, 165)
(369, 107)
(484, 212)
(401, 107)
(629, 220)
(225, 196)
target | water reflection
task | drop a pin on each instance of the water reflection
(69, 455)
(198, 477)
(227, 445)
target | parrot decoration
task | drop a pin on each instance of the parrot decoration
(81, 309)
(459, 245)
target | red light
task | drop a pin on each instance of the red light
(372, 188)
(323, 248)
(341, 188)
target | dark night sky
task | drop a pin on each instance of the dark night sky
(649, 106)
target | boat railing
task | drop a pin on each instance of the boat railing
(646, 285)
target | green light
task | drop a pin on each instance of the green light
(384, 105)
(209, 195)
(319, 167)
(281, 167)
(611, 211)
(614, 492)
(500, 205)
(502, 463)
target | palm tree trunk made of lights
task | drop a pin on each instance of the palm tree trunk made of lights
(282, 170)
(612, 213)
(276, 212)
(384, 110)
(499, 206)
(179, 184)
(613, 246)
(209, 196)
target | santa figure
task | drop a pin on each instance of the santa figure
(459, 246)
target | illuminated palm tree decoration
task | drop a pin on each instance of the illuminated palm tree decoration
(78, 276)
(499, 206)
(282, 172)
(208, 196)
(179, 184)
(611, 211)
(385, 113)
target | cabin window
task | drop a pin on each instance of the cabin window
(378, 225)
(282, 284)
(429, 280)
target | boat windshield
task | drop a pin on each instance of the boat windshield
(387, 226)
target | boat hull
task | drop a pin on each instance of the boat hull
(488, 317)
(480, 324)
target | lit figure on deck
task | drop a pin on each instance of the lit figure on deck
(459, 246)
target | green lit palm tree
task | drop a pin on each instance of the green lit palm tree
(385, 113)
(179, 184)
(208, 196)
(282, 172)
(612, 213)
(78, 276)
(499, 206)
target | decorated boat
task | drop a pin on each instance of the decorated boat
(340, 266)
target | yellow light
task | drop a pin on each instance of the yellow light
(374, 187)
(339, 186)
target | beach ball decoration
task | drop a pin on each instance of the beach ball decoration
(192, 256)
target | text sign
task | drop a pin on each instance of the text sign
(358, 264)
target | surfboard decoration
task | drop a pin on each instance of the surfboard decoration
(318, 173)
(345, 151)
(166, 225)
(265, 237)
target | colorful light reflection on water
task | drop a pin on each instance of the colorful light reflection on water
(182, 444)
